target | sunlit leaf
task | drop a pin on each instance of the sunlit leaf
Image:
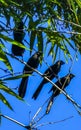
(13, 41)
(16, 77)
(16, 4)
(9, 91)
(74, 9)
(55, 53)
(4, 100)
(79, 3)
(4, 59)
(4, 2)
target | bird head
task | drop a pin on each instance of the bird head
(20, 25)
(71, 76)
(60, 62)
(39, 53)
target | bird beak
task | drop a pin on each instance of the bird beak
(73, 75)
(62, 62)
(40, 53)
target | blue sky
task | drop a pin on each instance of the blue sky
(61, 109)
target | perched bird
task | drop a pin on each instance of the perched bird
(61, 83)
(32, 62)
(17, 51)
(18, 36)
(51, 73)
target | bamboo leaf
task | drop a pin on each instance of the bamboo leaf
(4, 59)
(79, 3)
(74, 9)
(16, 77)
(4, 2)
(13, 41)
(4, 100)
(55, 53)
(9, 91)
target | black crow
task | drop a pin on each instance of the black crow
(61, 83)
(51, 73)
(32, 62)
(18, 36)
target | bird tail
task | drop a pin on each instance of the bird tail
(52, 89)
(23, 87)
(50, 103)
(38, 90)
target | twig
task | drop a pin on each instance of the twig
(73, 60)
(69, 22)
(30, 127)
(5, 70)
(29, 45)
(11, 119)
(38, 111)
(41, 117)
(53, 31)
(11, 74)
(47, 123)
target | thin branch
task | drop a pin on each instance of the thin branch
(13, 120)
(5, 76)
(53, 31)
(30, 127)
(5, 70)
(47, 123)
(41, 117)
(73, 60)
(69, 22)
(38, 111)
(79, 112)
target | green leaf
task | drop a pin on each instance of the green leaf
(4, 2)
(4, 100)
(55, 53)
(68, 40)
(1, 45)
(15, 4)
(9, 91)
(79, 3)
(74, 9)
(13, 41)
(16, 77)
(4, 59)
